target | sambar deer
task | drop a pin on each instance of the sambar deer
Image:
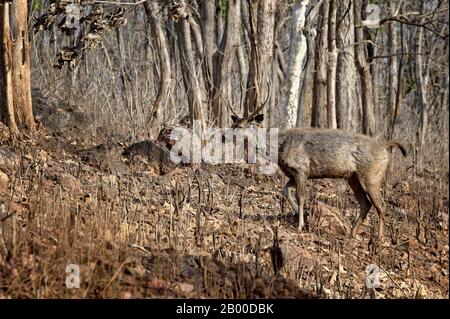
(311, 153)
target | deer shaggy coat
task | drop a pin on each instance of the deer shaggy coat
(309, 153)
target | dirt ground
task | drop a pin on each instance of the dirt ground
(204, 231)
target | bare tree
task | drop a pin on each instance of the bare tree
(164, 65)
(422, 79)
(393, 63)
(318, 115)
(15, 91)
(265, 37)
(252, 94)
(346, 98)
(208, 33)
(368, 120)
(297, 54)
(397, 55)
(223, 61)
(190, 78)
(332, 65)
(241, 47)
(310, 35)
(261, 43)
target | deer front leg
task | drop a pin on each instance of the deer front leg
(288, 195)
(300, 182)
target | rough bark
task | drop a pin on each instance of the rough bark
(276, 81)
(368, 121)
(265, 36)
(15, 94)
(219, 22)
(190, 78)
(393, 66)
(253, 90)
(318, 111)
(208, 28)
(6, 94)
(222, 67)
(164, 66)
(379, 113)
(346, 99)
(197, 36)
(261, 42)
(310, 35)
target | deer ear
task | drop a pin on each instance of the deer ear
(259, 118)
(234, 118)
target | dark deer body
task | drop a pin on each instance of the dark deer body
(309, 153)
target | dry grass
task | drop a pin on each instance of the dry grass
(208, 233)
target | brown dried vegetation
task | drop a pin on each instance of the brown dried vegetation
(207, 232)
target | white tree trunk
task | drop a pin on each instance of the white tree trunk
(422, 83)
(297, 53)
(332, 66)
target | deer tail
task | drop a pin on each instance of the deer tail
(394, 143)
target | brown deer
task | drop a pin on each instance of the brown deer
(311, 153)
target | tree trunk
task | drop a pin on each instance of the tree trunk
(297, 53)
(6, 93)
(243, 65)
(310, 35)
(253, 90)
(219, 22)
(265, 31)
(346, 99)
(164, 66)
(397, 91)
(320, 75)
(261, 34)
(15, 95)
(222, 64)
(393, 70)
(208, 29)
(332, 65)
(422, 83)
(272, 108)
(126, 91)
(375, 73)
(368, 122)
(190, 79)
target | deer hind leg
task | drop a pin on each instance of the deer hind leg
(374, 193)
(363, 201)
(372, 185)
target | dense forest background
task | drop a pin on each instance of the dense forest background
(379, 68)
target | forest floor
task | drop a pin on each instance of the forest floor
(201, 232)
